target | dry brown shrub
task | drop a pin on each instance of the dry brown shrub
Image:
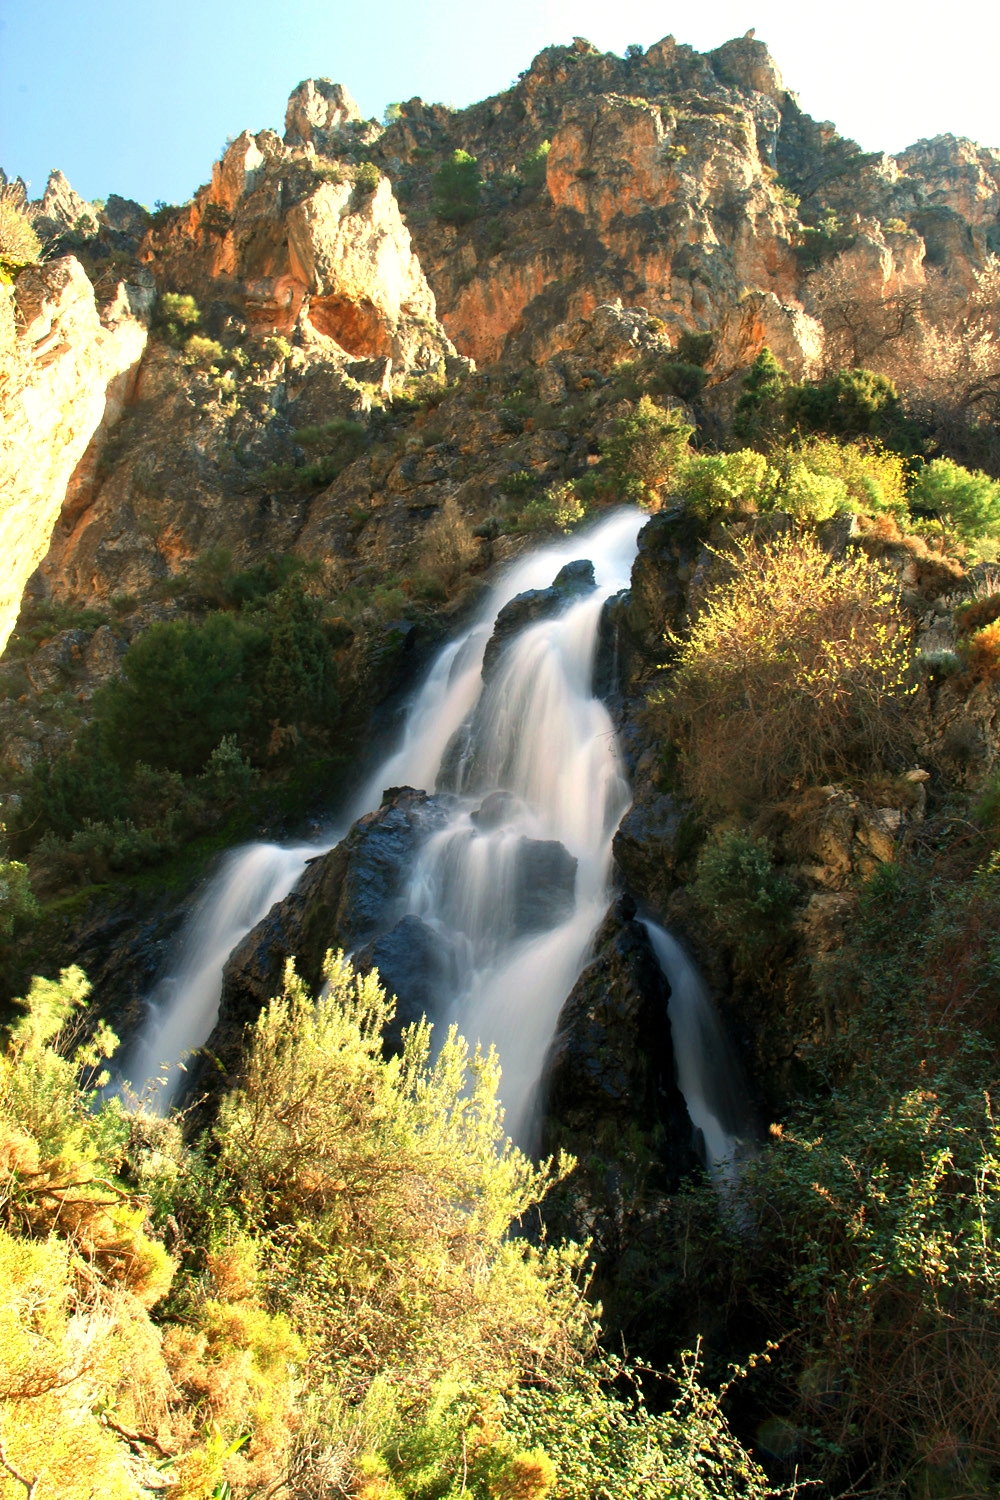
(449, 547)
(977, 613)
(796, 671)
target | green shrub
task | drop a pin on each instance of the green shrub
(714, 483)
(534, 164)
(176, 315)
(299, 681)
(759, 416)
(456, 189)
(966, 501)
(695, 348)
(678, 377)
(872, 478)
(559, 508)
(62, 793)
(366, 177)
(812, 497)
(736, 882)
(276, 349)
(183, 686)
(647, 449)
(215, 219)
(227, 772)
(93, 852)
(875, 1238)
(520, 482)
(849, 404)
(18, 906)
(343, 440)
(202, 352)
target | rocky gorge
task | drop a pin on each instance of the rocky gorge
(274, 458)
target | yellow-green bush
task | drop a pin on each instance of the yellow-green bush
(725, 482)
(865, 476)
(349, 1309)
(19, 244)
(795, 670)
(646, 450)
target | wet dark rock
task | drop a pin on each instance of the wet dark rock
(611, 1064)
(615, 647)
(575, 578)
(653, 838)
(345, 899)
(610, 1098)
(669, 547)
(523, 610)
(526, 609)
(414, 965)
(546, 878)
(496, 810)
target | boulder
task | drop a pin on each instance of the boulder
(651, 841)
(611, 1063)
(545, 880)
(609, 1097)
(414, 965)
(345, 899)
(533, 605)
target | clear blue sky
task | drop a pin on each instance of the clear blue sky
(139, 99)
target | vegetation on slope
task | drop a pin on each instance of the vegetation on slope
(324, 1294)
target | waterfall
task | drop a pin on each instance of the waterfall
(184, 1004)
(555, 753)
(708, 1073)
(514, 881)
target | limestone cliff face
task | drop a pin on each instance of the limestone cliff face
(82, 362)
(623, 202)
(692, 185)
(292, 241)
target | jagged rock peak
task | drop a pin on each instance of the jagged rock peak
(746, 64)
(318, 107)
(60, 209)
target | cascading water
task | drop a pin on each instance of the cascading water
(708, 1074)
(584, 812)
(184, 1005)
(532, 782)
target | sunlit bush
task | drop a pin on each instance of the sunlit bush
(794, 671)
(646, 450)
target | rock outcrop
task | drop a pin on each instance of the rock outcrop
(346, 899)
(292, 239)
(81, 367)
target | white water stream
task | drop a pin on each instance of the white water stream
(531, 761)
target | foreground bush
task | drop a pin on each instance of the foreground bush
(348, 1309)
(795, 671)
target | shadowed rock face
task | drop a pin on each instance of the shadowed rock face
(609, 1097)
(611, 1062)
(415, 965)
(344, 900)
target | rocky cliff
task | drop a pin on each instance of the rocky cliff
(689, 185)
(323, 358)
